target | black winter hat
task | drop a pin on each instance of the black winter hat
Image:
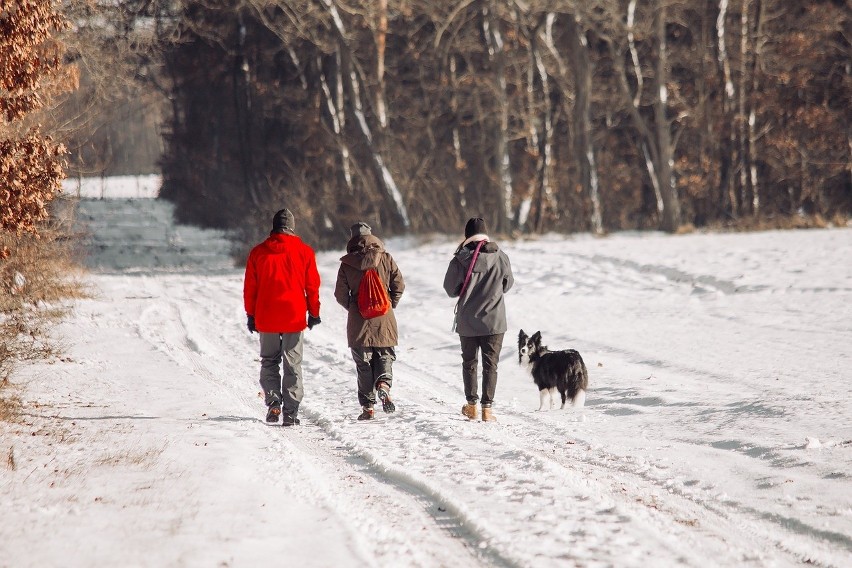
(475, 226)
(283, 221)
(360, 228)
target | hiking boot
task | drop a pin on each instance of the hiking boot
(384, 396)
(487, 415)
(366, 413)
(273, 414)
(470, 411)
(288, 420)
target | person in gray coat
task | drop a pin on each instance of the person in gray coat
(478, 275)
(371, 341)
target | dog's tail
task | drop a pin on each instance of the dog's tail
(579, 400)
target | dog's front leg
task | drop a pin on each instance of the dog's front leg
(543, 393)
(553, 393)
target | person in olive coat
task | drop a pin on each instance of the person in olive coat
(371, 341)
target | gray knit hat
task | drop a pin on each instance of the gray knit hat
(283, 221)
(360, 228)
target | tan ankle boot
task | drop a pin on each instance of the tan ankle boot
(487, 415)
(470, 411)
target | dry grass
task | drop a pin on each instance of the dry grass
(138, 458)
(780, 222)
(10, 404)
(37, 278)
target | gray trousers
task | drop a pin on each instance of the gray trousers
(281, 387)
(490, 346)
(373, 364)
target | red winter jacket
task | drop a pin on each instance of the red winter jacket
(281, 284)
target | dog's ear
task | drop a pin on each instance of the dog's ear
(536, 338)
(522, 337)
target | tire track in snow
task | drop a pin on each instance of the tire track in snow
(448, 514)
(522, 426)
(703, 282)
(749, 519)
(733, 516)
(728, 516)
(165, 329)
(426, 473)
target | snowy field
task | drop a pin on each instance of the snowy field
(717, 430)
(114, 187)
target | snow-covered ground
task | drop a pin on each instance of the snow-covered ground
(717, 430)
(114, 187)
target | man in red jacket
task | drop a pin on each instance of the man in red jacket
(281, 285)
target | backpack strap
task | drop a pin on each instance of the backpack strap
(470, 269)
(466, 282)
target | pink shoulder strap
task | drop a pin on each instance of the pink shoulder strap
(470, 269)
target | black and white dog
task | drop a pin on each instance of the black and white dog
(564, 370)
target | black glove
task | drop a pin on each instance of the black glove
(250, 323)
(312, 321)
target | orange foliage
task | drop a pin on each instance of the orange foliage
(30, 177)
(30, 164)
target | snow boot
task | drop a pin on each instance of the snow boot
(383, 394)
(470, 411)
(287, 420)
(273, 414)
(487, 415)
(366, 413)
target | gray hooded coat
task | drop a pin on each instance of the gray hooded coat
(367, 251)
(481, 311)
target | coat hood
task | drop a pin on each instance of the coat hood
(363, 252)
(481, 309)
(487, 256)
(277, 242)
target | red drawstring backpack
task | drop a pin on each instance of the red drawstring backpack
(373, 300)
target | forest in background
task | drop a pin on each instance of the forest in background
(541, 115)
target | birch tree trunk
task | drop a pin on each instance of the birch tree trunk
(583, 145)
(242, 105)
(671, 217)
(744, 166)
(649, 153)
(501, 146)
(381, 35)
(457, 149)
(334, 103)
(533, 140)
(727, 155)
(756, 36)
(546, 154)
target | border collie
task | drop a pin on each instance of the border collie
(564, 370)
